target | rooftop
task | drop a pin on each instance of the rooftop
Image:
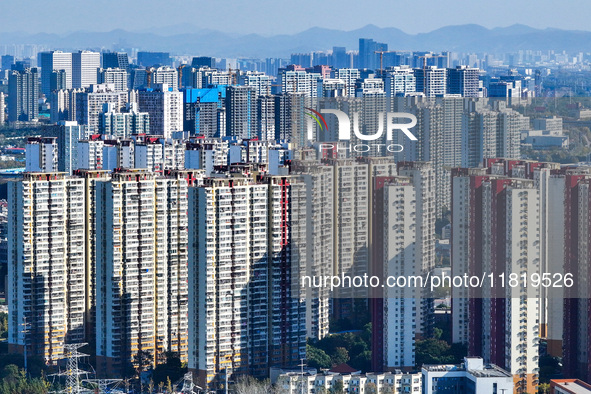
(473, 366)
(573, 386)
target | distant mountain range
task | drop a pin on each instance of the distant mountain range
(184, 39)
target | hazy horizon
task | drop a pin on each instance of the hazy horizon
(267, 17)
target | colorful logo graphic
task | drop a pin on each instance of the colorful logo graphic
(318, 118)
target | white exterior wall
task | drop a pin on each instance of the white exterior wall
(165, 109)
(84, 68)
(400, 307)
(90, 154)
(46, 236)
(224, 256)
(41, 156)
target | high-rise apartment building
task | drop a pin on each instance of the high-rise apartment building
(241, 104)
(114, 76)
(501, 224)
(123, 124)
(352, 224)
(463, 80)
(164, 107)
(2, 109)
(41, 154)
(403, 224)
(158, 155)
(266, 117)
(260, 81)
(573, 187)
(313, 204)
(54, 60)
(90, 153)
(297, 80)
(57, 80)
(89, 104)
(141, 270)
(332, 87)
(349, 76)
(204, 112)
(84, 68)
(400, 81)
(491, 131)
(165, 75)
(290, 117)
(70, 134)
(46, 292)
(246, 318)
(23, 95)
(431, 81)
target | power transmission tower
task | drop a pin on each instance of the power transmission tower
(188, 385)
(72, 372)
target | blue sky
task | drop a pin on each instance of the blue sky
(269, 17)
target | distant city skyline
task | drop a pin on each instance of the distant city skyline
(269, 18)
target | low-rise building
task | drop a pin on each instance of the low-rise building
(569, 386)
(470, 377)
(350, 380)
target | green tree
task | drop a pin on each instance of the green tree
(362, 361)
(14, 381)
(3, 325)
(317, 358)
(437, 332)
(341, 355)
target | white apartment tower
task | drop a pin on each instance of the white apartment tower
(70, 134)
(114, 76)
(54, 60)
(400, 81)
(498, 214)
(349, 76)
(89, 105)
(90, 153)
(165, 75)
(241, 321)
(431, 81)
(165, 109)
(299, 82)
(258, 80)
(84, 68)
(41, 154)
(46, 263)
(351, 230)
(2, 109)
(141, 270)
(402, 245)
(313, 204)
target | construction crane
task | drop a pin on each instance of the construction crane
(232, 75)
(149, 71)
(180, 70)
(425, 57)
(382, 60)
